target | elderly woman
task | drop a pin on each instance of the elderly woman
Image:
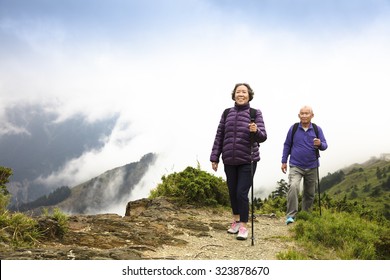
(239, 133)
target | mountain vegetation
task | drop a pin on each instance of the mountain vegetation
(53, 198)
(350, 222)
(367, 184)
(354, 219)
(18, 229)
(193, 186)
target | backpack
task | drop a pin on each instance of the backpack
(252, 115)
(295, 127)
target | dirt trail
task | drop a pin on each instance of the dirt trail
(270, 237)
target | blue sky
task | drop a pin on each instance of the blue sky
(168, 67)
(70, 24)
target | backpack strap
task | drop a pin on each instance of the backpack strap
(225, 113)
(252, 113)
(295, 127)
(315, 129)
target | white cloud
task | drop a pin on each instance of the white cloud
(171, 94)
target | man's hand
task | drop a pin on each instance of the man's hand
(317, 142)
(284, 168)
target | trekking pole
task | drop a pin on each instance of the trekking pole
(318, 179)
(252, 192)
(319, 189)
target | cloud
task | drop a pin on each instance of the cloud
(168, 78)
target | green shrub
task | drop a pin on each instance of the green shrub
(54, 225)
(193, 186)
(382, 245)
(348, 235)
(275, 205)
(5, 173)
(62, 220)
(4, 202)
(18, 230)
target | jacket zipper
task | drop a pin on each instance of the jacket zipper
(235, 136)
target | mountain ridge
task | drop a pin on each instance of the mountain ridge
(40, 144)
(368, 183)
(99, 193)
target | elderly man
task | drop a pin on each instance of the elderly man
(303, 142)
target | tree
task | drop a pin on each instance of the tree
(5, 173)
(378, 173)
(257, 203)
(332, 179)
(353, 194)
(386, 184)
(282, 190)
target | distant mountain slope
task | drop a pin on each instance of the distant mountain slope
(110, 188)
(368, 182)
(35, 144)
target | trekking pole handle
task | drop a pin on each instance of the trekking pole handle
(252, 133)
(252, 122)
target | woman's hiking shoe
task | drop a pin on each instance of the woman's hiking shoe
(242, 234)
(289, 220)
(234, 227)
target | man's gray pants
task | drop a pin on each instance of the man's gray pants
(310, 182)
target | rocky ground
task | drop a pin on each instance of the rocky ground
(158, 229)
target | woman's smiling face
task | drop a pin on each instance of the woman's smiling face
(241, 95)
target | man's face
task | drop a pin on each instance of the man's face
(305, 115)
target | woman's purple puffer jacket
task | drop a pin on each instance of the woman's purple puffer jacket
(232, 139)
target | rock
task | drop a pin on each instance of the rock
(151, 229)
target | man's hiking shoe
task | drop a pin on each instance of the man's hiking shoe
(289, 220)
(234, 228)
(242, 234)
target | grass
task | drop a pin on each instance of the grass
(292, 255)
(342, 236)
(18, 230)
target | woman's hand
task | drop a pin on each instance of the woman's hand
(214, 166)
(253, 127)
